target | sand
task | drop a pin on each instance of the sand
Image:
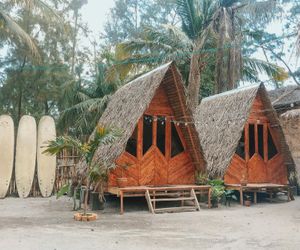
(47, 223)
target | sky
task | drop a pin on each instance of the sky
(95, 13)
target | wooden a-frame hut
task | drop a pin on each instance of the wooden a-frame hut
(242, 139)
(159, 145)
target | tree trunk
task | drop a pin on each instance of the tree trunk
(74, 41)
(232, 64)
(194, 83)
(86, 197)
(219, 77)
(193, 89)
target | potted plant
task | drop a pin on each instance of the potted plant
(218, 191)
(93, 172)
(229, 196)
(201, 178)
(247, 200)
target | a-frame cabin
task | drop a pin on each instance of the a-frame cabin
(159, 145)
(242, 139)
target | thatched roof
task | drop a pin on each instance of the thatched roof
(286, 97)
(130, 102)
(291, 115)
(220, 120)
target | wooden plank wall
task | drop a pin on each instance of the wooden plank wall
(258, 169)
(154, 168)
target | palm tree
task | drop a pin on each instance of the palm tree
(85, 102)
(95, 171)
(12, 30)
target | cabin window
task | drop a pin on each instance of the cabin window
(161, 134)
(251, 140)
(259, 138)
(131, 146)
(272, 151)
(147, 133)
(240, 151)
(176, 144)
(260, 135)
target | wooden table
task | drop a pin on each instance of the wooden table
(259, 188)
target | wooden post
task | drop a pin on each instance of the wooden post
(255, 197)
(121, 202)
(154, 202)
(209, 198)
(241, 196)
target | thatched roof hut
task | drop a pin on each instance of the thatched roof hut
(131, 102)
(290, 121)
(221, 120)
(285, 98)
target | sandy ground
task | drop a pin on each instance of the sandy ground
(37, 223)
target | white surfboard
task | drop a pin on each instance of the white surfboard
(25, 155)
(46, 164)
(6, 152)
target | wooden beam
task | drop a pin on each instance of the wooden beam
(184, 112)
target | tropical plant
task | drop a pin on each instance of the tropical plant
(218, 190)
(95, 172)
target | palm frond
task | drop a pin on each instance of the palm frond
(252, 67)
(40, 6)
(13, 28)
(62, 142)
(261, 66)
(259, 10)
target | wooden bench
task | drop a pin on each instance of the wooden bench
(154, 195)
(255, 188)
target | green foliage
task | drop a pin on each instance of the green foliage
(230, 194)
(218, 190)
(95, 172)
(216, 182)
(102, 136)
(63, 142)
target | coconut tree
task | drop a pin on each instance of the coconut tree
(85, 100)
(211, 34)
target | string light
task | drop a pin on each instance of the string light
(185, 122)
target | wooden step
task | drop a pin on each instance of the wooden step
(169, 194)
(174, 199)
(175, 209)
